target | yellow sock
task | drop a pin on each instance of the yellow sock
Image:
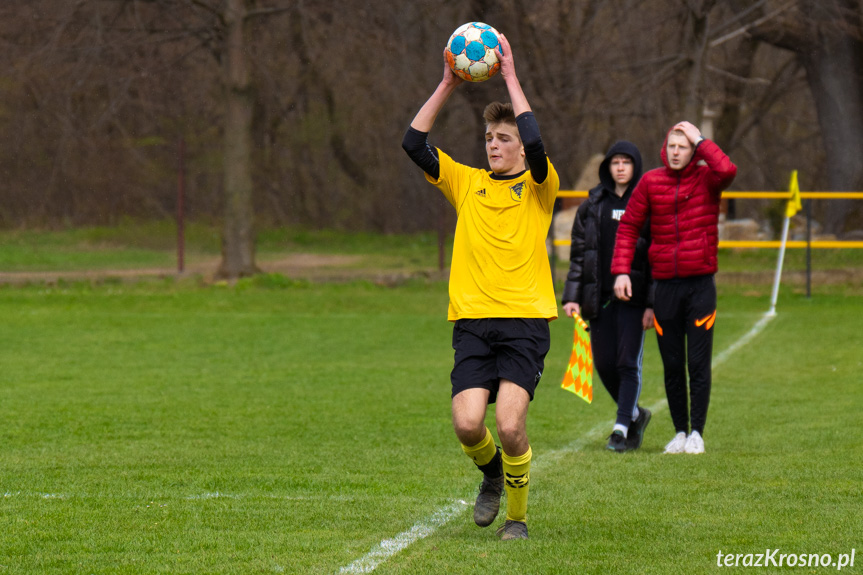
(482, 452)
(516, 471)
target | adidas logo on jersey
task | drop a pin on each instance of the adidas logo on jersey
(481, 193)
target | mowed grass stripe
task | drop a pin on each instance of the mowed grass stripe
(324, 435)
(110, 403)
(650, 513)
(390, 547)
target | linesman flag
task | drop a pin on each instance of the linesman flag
(579, 373)
(794, 203)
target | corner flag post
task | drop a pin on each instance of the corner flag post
(791, 208)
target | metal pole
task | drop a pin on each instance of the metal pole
(181, 192)
(809, 249)
(778, 275)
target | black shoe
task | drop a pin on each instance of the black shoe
(635, 434)
(512, 530)
(617, 442)
(488, 501)
(490, 490)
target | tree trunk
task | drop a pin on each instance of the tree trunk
(731, 112)
(834, 70)
(693, 103)
(827, 40)
(238, 246)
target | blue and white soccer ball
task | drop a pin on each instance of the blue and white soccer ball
(470, 52)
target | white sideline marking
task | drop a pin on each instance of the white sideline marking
(220, 495)
(423, 529)
(390, 547)
(598, 430)
(214, 495)
(746, 338)
(9, 494)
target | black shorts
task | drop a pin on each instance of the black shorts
(488, 350)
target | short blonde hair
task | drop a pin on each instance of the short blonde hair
(497, 113)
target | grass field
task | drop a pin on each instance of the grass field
(277, 426)
(136, 245)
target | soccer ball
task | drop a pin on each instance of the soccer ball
(470, 52)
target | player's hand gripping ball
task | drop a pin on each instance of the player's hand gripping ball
(470, 52)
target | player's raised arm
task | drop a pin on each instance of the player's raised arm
(415, 141)
(425, 118)
(528, 128)
(507, 70)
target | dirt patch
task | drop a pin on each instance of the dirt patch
(850, 276)
(89, 275)
(311, 267)
(310, 261)
(340, 268)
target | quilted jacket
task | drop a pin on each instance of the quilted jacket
(683, 207)
(584, 279)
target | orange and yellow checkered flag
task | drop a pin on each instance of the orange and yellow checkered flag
(579, 373)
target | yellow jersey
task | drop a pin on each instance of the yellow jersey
(500, 262)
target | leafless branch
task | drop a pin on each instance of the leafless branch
(736, 78)
(746, 28)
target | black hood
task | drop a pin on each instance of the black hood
(621, 147)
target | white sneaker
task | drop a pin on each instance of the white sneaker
(677, 444)
(694, 443)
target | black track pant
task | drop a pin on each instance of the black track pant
(685, 310)
(617, 344)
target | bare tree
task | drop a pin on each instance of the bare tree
(293, 113)
(827, 36)
(238, 242)
(222, 26)
(696, 48)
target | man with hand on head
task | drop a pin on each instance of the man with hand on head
(682, 201)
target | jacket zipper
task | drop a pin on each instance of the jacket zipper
(598, 271)
(676, 224)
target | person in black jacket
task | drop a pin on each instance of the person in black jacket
(616, 327)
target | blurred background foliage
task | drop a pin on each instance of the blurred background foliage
(96, 94)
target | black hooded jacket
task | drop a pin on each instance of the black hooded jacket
(584, 282)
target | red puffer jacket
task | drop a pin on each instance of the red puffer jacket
(683, 206)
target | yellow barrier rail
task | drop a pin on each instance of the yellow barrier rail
(752, 195)
(793, 197)
(833, 245)
(755, 195)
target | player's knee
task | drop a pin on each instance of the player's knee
(511, 432)
(468, 430)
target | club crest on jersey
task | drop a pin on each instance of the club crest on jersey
(516, 191)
